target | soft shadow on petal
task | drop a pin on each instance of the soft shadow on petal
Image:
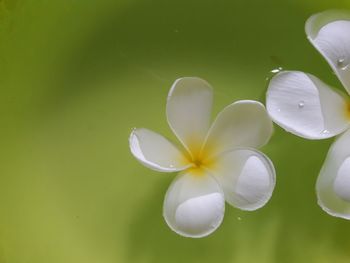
(305, 106)
(149, 239)
(156, 152)
(329, 32)
(244, 123)
(188, 111)
(194, 205)
(333, 183)
(247, 177)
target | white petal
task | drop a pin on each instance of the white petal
(188, 111)
(247, 177)
(242, 124)
(333, 183)
(342, 181)
(156, 152)
(194, 205)
(305, 106)
(329, 32)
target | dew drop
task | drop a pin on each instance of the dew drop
(239, 218)
(278, 110)
(276, 70)
(273, 72)
(325, 132)
(301, 104)
(342, 64)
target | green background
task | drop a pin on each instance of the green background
(77, 76)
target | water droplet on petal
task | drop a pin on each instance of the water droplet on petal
(301, 104)
(342, 63)
(325, 132)
(276, 70)
(278, 110)
(340, 60)
(273, 72)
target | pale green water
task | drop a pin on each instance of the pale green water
(77, 76)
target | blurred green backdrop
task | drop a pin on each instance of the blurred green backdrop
(77, 76)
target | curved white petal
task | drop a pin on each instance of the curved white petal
(243, 123)
(305, 106)
(247, 177)
(333, 183)
(194, 205)
(156, 152)
(342, 181)
(329, 32)
(188, 111)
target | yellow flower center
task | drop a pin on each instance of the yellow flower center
(200, 160)
(197, 163)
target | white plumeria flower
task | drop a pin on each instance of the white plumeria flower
(305, 106)
(216, 163)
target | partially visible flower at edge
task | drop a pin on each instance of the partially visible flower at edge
(305, 106)
(216, 163)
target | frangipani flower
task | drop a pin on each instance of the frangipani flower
(216, 163)
(305, 106)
